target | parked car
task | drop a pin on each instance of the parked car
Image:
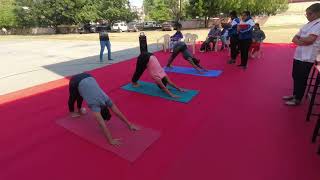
(133, 27)
(103, 27)
(93, 28)
(149, 25)
(167, 26)
(119, 27)
(87, 28)
(139, 26)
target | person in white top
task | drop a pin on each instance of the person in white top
(308, 46)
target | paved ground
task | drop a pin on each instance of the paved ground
(28, 63)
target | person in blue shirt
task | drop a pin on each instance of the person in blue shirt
(244, 29)
(233, 35)
(176, 37)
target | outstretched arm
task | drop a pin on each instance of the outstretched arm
(105, 130)
(196, 66)
(164, 88)
(173, 85)
(123, 118)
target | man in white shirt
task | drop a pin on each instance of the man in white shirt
(308, 46)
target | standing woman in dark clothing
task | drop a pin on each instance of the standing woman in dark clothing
(233, 34)
(104, 42)
(245, 37)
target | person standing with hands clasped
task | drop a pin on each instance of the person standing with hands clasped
(308, 47)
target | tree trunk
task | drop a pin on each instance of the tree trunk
(206, 21)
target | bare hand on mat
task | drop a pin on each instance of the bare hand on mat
(175, 96)
(133, 127)
(115, 142)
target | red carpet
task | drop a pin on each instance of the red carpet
(237, 128)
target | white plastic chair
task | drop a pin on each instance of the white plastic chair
(164, 41)
(216, 46)
(190, 40)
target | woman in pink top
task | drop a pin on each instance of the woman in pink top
(150, 62)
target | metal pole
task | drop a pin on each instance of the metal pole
(180, 14)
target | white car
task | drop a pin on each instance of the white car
(119, 27)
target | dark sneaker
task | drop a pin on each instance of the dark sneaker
(231, 61)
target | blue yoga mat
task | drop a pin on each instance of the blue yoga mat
(192, 71)
(153, 90)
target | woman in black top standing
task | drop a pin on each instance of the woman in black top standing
(104, 42)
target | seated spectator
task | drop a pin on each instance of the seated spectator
(224, 36)
(213, 37)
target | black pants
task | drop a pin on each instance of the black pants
(244, 46)
(300, 74)
(179, 48)
(141, 66)
(234, 42)
(74, 94)
(206, 44)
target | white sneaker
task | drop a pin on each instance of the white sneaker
(287, 98)
(292, 102)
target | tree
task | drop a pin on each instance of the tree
(195, 8)
(169, 9)
(160, 12)
(174, 9)
(7, 14)
(69, 12)
(148, 6)
(115, 10)
(211, 8)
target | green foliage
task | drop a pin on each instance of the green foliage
(210, 8)
(160, 11)
(163, 10)
(7, 14)
(69, 12)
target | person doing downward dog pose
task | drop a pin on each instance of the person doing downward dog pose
(181, 47)
(84, 87)
(148, 61)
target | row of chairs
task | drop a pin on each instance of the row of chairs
(189, 39)
(312, 94)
